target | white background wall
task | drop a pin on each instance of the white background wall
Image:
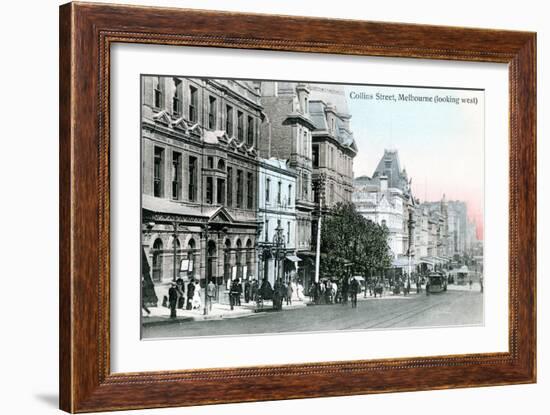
(29, 232)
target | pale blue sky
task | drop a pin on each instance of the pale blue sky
(440, 144)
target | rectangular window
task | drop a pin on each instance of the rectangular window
(279, 187)
(240, 126)
(176, 99)
(220, 191)
(192, 179)
(209, 190)
(158, 173)
(267, 189)
(229, 186)
(229, 120)
(267, 230)
(239, 188)
(193, 103)
(176, 175)
(250, 132)
(212, 112)
(249, 191)
(210, 162)
(315, 150)
(289, 195)
(304, 185)
(288, 232)
(157, 92)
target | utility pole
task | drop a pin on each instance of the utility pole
(321, 192)
(206, 226)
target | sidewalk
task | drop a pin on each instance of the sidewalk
(161, 315)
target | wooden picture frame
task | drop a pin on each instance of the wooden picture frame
(86, 33)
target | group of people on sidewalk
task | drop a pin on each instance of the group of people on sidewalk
(331, 291)
(280, 292)
(178, 297)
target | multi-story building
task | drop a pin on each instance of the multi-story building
(287, 136)
(333, 144)
(308, 125)
(199, 177)
(277, 214)
(385, 198)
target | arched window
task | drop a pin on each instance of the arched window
(221, 164)
(157, 260)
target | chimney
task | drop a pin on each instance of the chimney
(383, 183)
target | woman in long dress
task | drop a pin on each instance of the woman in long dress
(197, 297)
(300, 291)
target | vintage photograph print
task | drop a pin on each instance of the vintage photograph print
(274, 206)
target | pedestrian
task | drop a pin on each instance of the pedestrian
(345, 290)
(240, 289)
(247, 291)
(294, 290)
(172, 299)
(181, 293)
(354, 289)
(197, 296)
(143, 305)
(480, 283)
(418, 285)
(210, 294)
(254, 290)
(234, 293)
(300, 291)
(190, 294)
(289, 293)
(334, 288)
(470, 282)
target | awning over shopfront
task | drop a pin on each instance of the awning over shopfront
(428, 261)
(403, 262)
(293, 258)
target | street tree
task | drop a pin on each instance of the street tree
(349, 241)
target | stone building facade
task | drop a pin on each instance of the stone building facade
(309, 125)
(386, 199)
(333, 144)
(199, 177)
(277, 214)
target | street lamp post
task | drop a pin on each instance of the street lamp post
(208, 226)
(279, 240)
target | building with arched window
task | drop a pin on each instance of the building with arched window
(199, 140)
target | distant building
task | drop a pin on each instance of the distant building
(199, 140)
(277, 214)
(385, 198)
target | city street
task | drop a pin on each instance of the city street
(416, 310)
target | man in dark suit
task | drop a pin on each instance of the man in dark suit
(354, 289)
(173, 299)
